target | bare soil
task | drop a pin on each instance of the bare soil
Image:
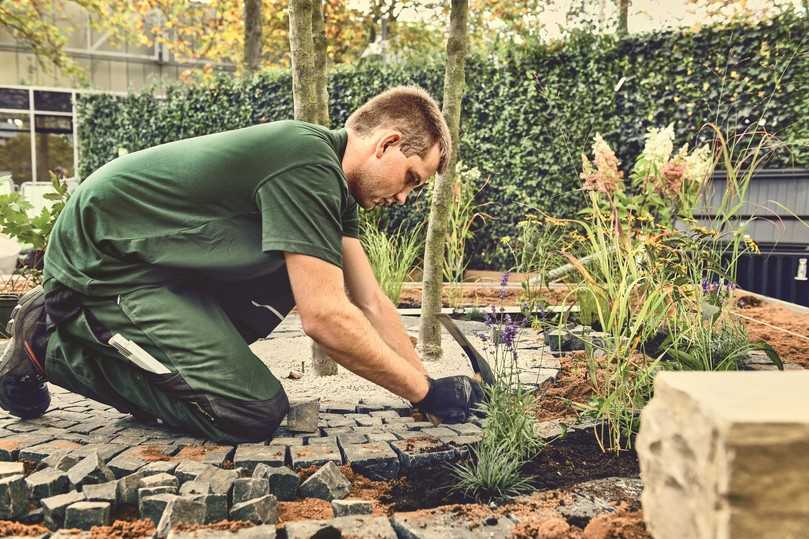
(793, 344)
(572, 385)
(9, 529)
(483, 295)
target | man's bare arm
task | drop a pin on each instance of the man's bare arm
(367, 295)
(329, 317)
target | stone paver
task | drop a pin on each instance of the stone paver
(180, 510)
(255, 532)
(10, 468)
(315, 455)
(375, 460)
(13, 496)
(85, 515)
(441, 524)
(283, 482)
(424, 451)
(46, 483)
(55, 506)
(348, 526)
(263, 510)
(248, 456)
(249, 488)
(728, 450)
(351, 507)
(328, 483)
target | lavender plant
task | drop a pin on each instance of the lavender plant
(510, 435)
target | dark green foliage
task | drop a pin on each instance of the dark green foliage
(527, 117)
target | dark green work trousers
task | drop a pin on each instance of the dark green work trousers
(217, 387)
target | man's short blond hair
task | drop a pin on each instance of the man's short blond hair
(414, 113)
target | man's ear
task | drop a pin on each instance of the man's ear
(388, 140)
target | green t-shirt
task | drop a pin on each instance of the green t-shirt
(218, 207)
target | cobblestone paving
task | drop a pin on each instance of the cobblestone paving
(84, 459)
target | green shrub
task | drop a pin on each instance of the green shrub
(527, 116)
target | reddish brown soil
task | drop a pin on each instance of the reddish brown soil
(9, 528)
(571, 386)
(153, 453)
(124, 529)
(222, 525)
(791, 348)
(484, 295)
(306, 509)
(618, 525)
(192, 452)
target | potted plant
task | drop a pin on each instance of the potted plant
(33, 230)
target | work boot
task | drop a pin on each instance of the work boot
(22, 366)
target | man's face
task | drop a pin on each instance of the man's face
(388, 176)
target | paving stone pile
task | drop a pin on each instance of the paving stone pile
(81, 461)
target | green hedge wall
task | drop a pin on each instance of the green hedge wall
(526, 117)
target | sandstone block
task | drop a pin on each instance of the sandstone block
(728, 451)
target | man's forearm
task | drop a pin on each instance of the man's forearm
(351, 340)
(387, 322)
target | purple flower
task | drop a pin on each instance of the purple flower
(509, 332)
(503, 282)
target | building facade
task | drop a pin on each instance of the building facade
(38, 129)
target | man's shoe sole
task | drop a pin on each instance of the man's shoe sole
(40, 400)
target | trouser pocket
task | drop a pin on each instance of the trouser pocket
(249, 420)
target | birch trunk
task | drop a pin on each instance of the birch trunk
(304, 95)
(454, 81)
(321, 63)
(252, 36)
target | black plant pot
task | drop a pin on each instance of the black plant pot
(7, 304)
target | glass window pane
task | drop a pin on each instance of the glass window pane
(54, 146)
(15, 147)
(53, 101)
(13, 99)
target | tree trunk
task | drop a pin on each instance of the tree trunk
(321, 63)
(304, 95)
(454, 81)
(623, 17)
(306, 29)
(252, 36)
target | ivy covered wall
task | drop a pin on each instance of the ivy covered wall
(526, 118)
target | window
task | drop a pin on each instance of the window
(11, 98)
(15, 147)
(54, 146)
(52, 101)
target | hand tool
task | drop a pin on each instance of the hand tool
(479, 364)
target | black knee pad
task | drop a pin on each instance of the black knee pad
(249, 421)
